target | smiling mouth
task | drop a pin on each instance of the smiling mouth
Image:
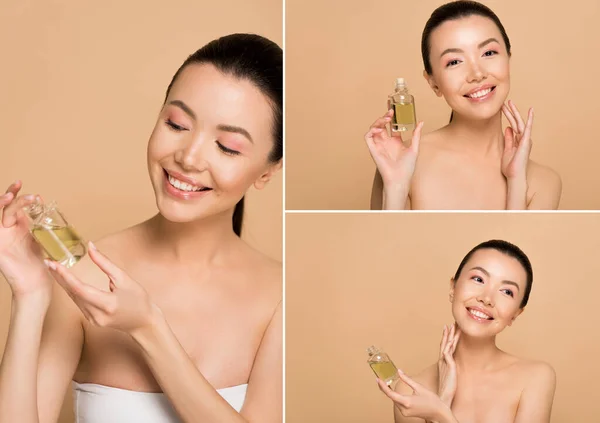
(480, 93)
(479, 314)
(183, 186)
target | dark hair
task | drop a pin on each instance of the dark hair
(452, 11)
(510, 250)
(259, 60)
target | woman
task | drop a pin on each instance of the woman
(475, 381)
(188, 325)
(469, 163)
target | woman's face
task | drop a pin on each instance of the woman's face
(487, 295)
(468, 58)
(210, 144)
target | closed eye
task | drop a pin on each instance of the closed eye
(174, 126)
(226, 150)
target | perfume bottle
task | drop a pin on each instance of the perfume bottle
(56, 236)
(403, 103)
(382, 365)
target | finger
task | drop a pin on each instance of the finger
(450, 340)
(414, 385)
(114, 272)
(528, 128)
(509, 139)
(15, 187)
(509, 115)
(9, 217)
(6, 198)
(520, 123)
(77, 289)
(416, 139)
(391, 394)
(444, 339)
(382, 121)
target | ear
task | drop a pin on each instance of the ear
(452, 285)
(262, 181)
(517, 314)
(431, 81)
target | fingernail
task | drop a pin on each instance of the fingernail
(92, 246)
(29, 197)
(50, 264)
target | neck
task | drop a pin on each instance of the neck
(481, 137)
(473, 354)
(198, 242)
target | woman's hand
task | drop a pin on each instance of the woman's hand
(422, 403)
(20, 256)
(517, 143)
(127, 307)
(447, 375)
(395, 162)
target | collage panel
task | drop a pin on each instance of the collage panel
(522, 302)
(156, 130)
(473, 73)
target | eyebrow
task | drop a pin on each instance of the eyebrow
(481, 45)
(507, 282)
(220, 127)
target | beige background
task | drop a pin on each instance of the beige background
(357, 280)
(82, 84)
(342, 60)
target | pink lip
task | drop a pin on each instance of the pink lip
(478, 319)
(177, 193)
(484, 98)
(184, 178)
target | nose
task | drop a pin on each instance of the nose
(191, 156)
(486, 297)
(477, 73)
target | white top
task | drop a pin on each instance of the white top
(105, 404)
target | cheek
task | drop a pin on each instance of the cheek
(233, 174)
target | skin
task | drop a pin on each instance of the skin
(177, 304)
(469, 163)
(474, 381)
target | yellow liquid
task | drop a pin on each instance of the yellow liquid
(385, 371)
(404, 117)
(61, 243)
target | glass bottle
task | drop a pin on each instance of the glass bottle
(55, 235)
(403, 103)
(382, 365)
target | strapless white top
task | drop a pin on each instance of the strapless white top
(105, 404)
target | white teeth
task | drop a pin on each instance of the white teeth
(481, 93)
(182, 185)
(479, 314)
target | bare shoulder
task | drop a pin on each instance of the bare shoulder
(545, 186)
(535, 370)
(264, 271)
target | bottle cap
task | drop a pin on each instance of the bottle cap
(400, 82)
(372, 350)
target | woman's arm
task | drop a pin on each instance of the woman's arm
(194, 398)
(377, 195)
(535, 405)
(40, 357)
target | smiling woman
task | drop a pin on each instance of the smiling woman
(489, 291)
(469, 163)
(177, 319)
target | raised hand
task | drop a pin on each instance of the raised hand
(127, 307)
(395, 161)
(20, 256)
(447, 375)
(422, 403)
(517, 142)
